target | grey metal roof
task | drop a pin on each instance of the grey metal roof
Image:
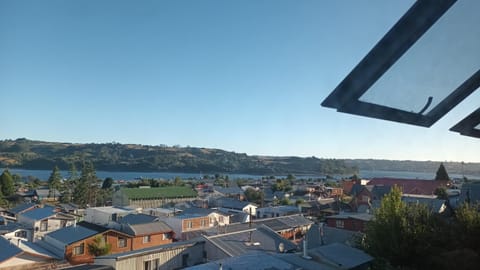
(433, 204)
(146, 228)
(146, 251)
(232, 203)
(252, 260)
(238, 243)
(39, 213)
(46, 193)
(229, 190)
(21, 208)
(76, 233)
(302, 263)
(342, 255)
(8, 250)
(137, 219)
(284, 222)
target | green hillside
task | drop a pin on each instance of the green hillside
(28, 154)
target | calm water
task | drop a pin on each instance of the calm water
(44, 174)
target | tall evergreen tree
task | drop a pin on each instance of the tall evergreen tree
(69, 184)
(6, 183)
(54, 181)
(442, 173)
(107, 183)
(85, 192)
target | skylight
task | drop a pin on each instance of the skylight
(422, 68)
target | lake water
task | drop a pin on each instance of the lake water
(44, 174)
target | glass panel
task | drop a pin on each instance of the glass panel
(440, 61)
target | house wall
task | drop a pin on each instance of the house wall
(364, 197)
(52, 225)
(86, 257)
(155, 240)
(218, 219)
(172, 258)
(196, 223)
(348, 224)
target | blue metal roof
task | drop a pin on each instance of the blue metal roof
(73, 234)
(39, 213)
(20, 208)
(8, 249)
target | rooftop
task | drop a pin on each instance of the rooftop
(21, 208)
(146, 228)
(342, 255)
(146, 251)
(134, 219)
(40, 213)
(72, 234)
(158, 193)
(8, 250)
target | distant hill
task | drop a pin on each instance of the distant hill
(29, 154)
(467, 168)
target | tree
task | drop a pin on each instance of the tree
(54, 181)
(70, 184)
(255, 196)
(107, 183)
(99, 246)
(6, 184)
(442, 173)
(178, 181)
(85, 192)
(441, 193)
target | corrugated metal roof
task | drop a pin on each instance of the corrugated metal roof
(39, 213)
(134, 219)
(37, 250)
(22, 207)
(8, 250)
(232, 203)
(343, 255)
(149, 250)
(238, 243)
(146, 228)
(76, 233)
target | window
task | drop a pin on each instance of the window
(365, 198)
(203, 223)
(167, 236)
(339, 223)
(147, 239)
(220, 218)
(122, 242)
(147, 265)
(79, 250)
(189, 224)
(44, 225)
(21, 234)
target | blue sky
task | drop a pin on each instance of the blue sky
(244, 76)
